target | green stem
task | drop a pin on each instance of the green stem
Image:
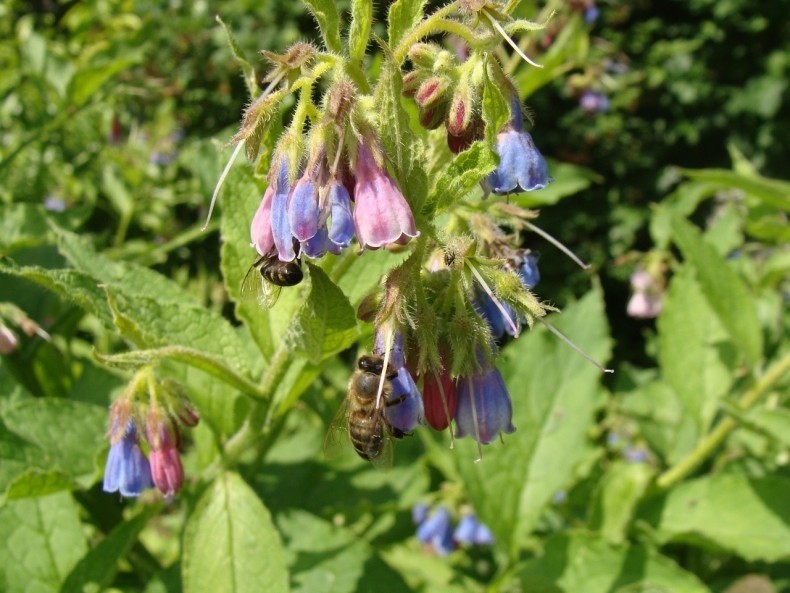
(715, 438)
(425, 28)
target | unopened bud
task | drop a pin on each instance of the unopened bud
(432, 118)
(341, 98)
(368, 307)
(411, 82)
(423, 55)
(432, 91)
(459, 116)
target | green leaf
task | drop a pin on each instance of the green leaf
(249, 72)
(328, 18)
(724, 289)
(577, 562)
(616, 497)
(41, 539)
(403, 16)
(696, 355)
(230, 543)
(555, 395)
(326, 324)
(96, 570)
(36, 459)
(149, 323)
(757, 525)
(87, 81)
(466, 170)
(359, 30)
(771, 191)
(21, 225)
(360, 273)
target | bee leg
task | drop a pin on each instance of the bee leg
(394, 402)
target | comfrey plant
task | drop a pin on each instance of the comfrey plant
(350, 172)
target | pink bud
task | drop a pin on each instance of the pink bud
(166, 469)
(8, 340)
(440, 399)
(431, 91)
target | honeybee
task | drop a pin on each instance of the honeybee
(366, 425)
(272, 275)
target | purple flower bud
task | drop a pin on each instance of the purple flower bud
(8, 340)
(341, 230)
(127, 469)
(382, 215)
(166, 469)
(471, 531)
(484, 407)
(405, 416)
(303, 212)
(436, 532)
(487, 309)
(281, 227)
(261, 228)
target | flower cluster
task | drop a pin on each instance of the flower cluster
(437, 535)
(134, 424)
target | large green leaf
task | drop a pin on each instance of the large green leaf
(771, 191)
(555, 395)
(230, 543)
(696, 355)
(726, 292)
(577, 562)
(41, 539)
(616, 497)
(747, 516)
(36, 459)
(466, 170)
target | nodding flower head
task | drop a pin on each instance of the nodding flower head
(127, 470)
(341, 230)
(528, 270)
(302, 206)
(261, 236)
(436, 534)
(408, 413)
(521, 166)
(382, 216)
(484, 406)
(440, 398)
(499, 320)
(280, 223)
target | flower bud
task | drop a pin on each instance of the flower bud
(166, 469)
(432, 91)
(423, 55)
(411, 82)
(8, 340)
(440, 399)
(459, 116)
(432, 118)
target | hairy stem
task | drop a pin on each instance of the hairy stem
(425, 28)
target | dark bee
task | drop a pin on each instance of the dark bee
(367, 427)
(272, 275)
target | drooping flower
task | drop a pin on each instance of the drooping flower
(341, 230)
(261, 236)
(484, 406)
(646, 302)
(419, 513)
(302, 206)
(528, 272)
(435, 533)
(381, 216)
(280, 224)
(405, 415)
(521, 165)
(166, 469)
(471, 531)
(127, 470)
(497, 318)
(440, 399)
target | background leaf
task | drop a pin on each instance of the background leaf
(230, 543)
(328, 18)
(359, 30)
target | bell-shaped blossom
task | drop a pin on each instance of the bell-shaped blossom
(484, 406)
(419, 513)
(499, 320)
(406, 415)
(303, 211)
(166, 469)
(127, 470)
(521, 166)
(382, 215)
(261, 236)
(280, 223)
(341, 229)
(436, 532)
(440, 399)
(643, 305)
(471, 531)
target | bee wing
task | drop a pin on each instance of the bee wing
(337, 440)
(256, 287)
(269, 293)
